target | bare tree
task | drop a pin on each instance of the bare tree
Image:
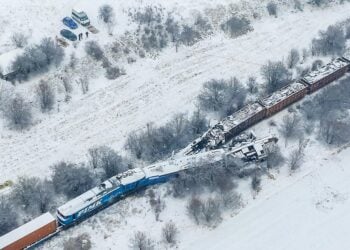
(290, 127)
(236, 26)
(33, 195)
(293, 58)
(71, 180)
(298, 5)
(189, 35)
(296, 157)
(18, 112)
(252, 85)
(81, 242)
(113, 73)
(195, 208)
(272, 9)
(276, 76)
(170, 232)
(8, 216)
(19, 40)
(73, 61)
(256, 183)
(274, 157)
(316, 64)
(46, 96)
(84, 84)
(231, 200)
(331, 42)
(140, 241)
(106, 14)
(211, 211)
(222, 97)
(93, 49)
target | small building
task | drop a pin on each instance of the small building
(6, 60)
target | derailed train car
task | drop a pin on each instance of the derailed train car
(252, 113)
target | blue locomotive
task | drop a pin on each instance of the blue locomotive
(127, 182)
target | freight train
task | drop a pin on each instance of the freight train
(119, 186)
(253, 113)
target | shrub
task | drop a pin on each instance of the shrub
(18, 112)
(8, 216)
(81, 242)
(93, 49)
(46, 96)
(140, 241)
(236, 26)
(331, 42)
(19, 40)
(113, 73)
(169, 233)
(37, 59)
(71, 180)
(34, 195)
(275, 75)
(222, 97)
(272, 9)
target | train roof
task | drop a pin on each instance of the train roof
(282, 94)
(175, 165)
(26, 229)
(240, 116)
(96, 193)
(327, 69)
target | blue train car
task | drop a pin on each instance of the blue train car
(101, 196)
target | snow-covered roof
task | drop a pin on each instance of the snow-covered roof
(282, 94)
(95, 194)
(327, 69)
(6, 59)
(26, 229)
(175, 165)
(240, 116)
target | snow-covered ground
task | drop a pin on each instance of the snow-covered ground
(303, 211)
(153, 90)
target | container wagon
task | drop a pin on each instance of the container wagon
(326, 74)
(29, 233)
(284, 97)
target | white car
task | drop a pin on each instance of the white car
(81, 17)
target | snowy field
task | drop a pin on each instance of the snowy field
(152, 91)
(304, 211)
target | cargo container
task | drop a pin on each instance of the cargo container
(29, 233)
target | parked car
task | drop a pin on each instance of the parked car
(69, 35)
(80, 17)
(69, 22)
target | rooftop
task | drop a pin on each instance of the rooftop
(25, 229)
(327, 69)
(282, 94)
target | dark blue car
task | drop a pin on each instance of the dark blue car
(69, 35)
(69, 22)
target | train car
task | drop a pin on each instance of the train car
(326, 74)
(284, 97)
(234, 124)
(29, 233)
(101, 196)
(229, 127)
(165, 171)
